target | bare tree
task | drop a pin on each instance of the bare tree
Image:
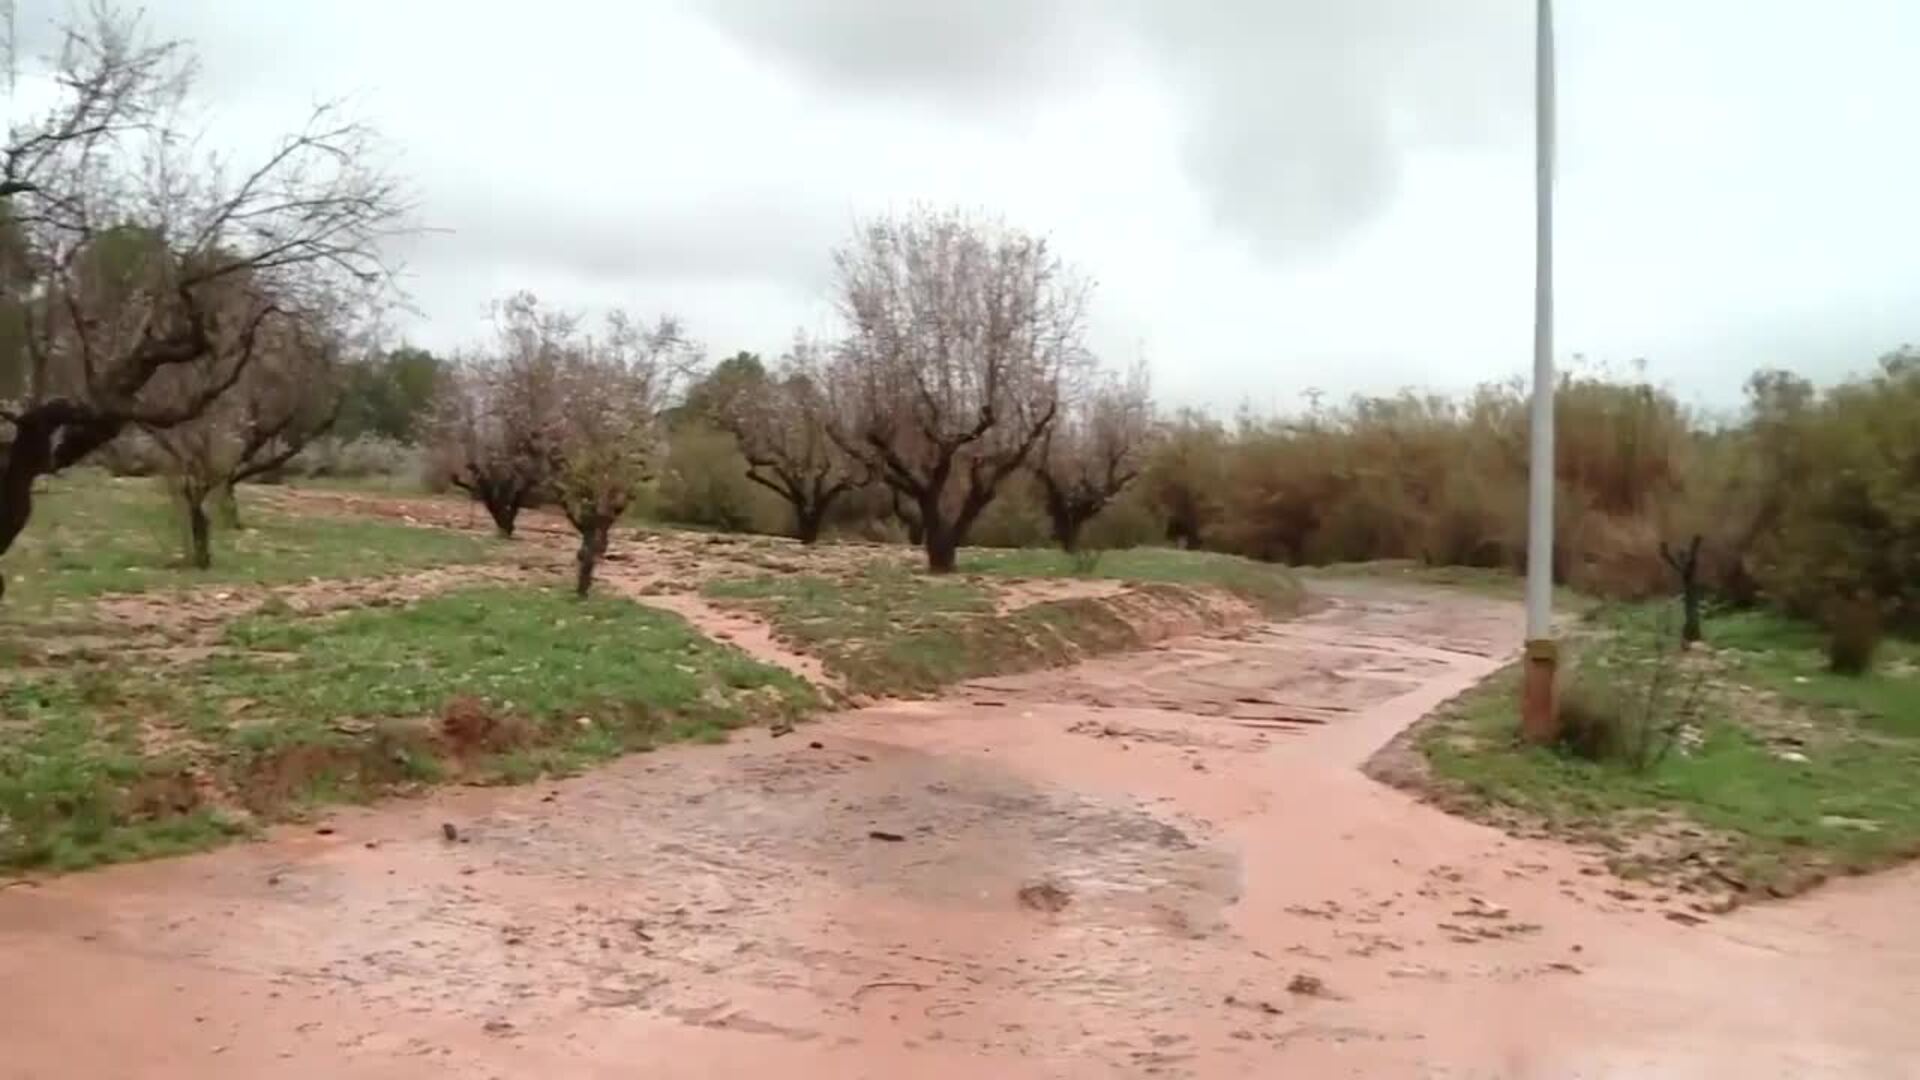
(781, 422)
(285, 398)
(495, 417)
(960, 332)
(1095, 448)
(138, 256)
(607, 425)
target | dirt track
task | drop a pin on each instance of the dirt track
(1117, 870)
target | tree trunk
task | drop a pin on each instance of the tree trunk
(912, 522)
(503, 511)
(942, 544)
(593, 544)
(45, 440)
(1690, 600)
(1066, 531)
(16, 506)
(199, 529)
(1686, 566)
(807, 521)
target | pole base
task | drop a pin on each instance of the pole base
(1540, 692)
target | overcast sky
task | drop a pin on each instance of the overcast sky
(1273, 195)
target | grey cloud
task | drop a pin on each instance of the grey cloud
(739, 236)
(1298, 113)
(958, 52)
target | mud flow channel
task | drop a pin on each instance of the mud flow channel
(1160, 864)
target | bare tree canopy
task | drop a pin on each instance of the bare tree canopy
(607, 435)
(960, 333)
(1095, 448)
(493, 423)
(130, 252)
(286, 397)
(781, 423)
(552, 413)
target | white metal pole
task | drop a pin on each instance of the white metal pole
(1540, 463)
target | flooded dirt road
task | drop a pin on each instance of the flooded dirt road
(1160, 864)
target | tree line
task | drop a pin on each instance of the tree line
(229, 318)
(961, 364)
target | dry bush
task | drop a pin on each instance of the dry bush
(1438, 479)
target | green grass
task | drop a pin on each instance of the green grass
(75, 789)
(1789, 658)
(538, 653)
(92, 535)
(890, 630)
(95, 764)
(1272, 588)
(881, 630)
(1852, 804)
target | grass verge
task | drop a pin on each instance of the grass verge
(885, 629)
(487, 684)
(1785, 776)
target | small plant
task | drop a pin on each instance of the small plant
(1631, 707)
(1085, 561)
(1853, 636)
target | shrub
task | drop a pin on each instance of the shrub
(1013, 520)
(704, 482)
(1841, 517)
(1628, 707)
(1126, 522)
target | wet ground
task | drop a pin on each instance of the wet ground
(1160, 864)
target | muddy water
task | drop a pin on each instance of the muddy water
(1163, 864)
